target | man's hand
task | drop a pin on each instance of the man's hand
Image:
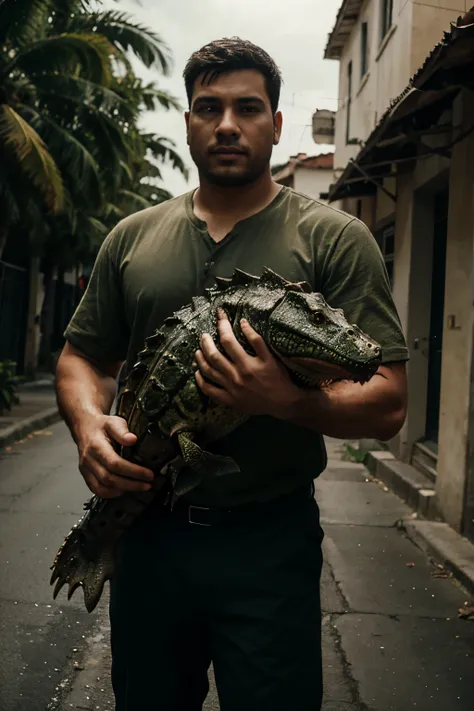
(106, 473)
(256, 385)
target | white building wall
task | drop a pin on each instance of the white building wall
(417, 27)
(312, 182)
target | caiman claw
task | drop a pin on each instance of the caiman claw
(72, 565)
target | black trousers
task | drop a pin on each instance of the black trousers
(242, 594)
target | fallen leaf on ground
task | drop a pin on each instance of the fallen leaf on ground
(77, 666)
(466, 613)
(440, 574)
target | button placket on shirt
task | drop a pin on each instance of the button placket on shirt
(209, 271)
(210, 267)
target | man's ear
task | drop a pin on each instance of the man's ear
(277, 127)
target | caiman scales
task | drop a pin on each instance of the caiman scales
(174, 421)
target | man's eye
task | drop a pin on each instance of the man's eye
(250, 109)
(206, 109)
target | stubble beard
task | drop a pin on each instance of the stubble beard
(220, 178)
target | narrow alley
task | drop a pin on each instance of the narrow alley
(392, 636)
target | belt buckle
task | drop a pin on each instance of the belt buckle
(197, 523)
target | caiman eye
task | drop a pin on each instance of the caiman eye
(318, 318)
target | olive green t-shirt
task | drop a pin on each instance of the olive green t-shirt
(155, 261)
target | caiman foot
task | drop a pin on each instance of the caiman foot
(72, 565)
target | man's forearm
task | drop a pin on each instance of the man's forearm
(351, 410)
(83, 392)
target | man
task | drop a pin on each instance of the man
(232, 574)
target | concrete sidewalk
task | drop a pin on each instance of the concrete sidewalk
(37, 409)
(392, 635)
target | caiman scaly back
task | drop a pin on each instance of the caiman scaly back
(174, 421)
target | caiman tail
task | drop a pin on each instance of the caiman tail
(86, 557)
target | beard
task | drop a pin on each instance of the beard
(231, 176)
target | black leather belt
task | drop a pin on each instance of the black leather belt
(210, 516)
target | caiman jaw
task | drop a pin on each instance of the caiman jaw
(313, 370)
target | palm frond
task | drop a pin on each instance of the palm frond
(29, 150)
(84, 94)
(23, 21)
(150, 170)
(133, 200)
(70, 153)
(153, 98)
(153, 193)
(126, 169)
(90, 53)
(127, 35)
(110, 143)
(113, 212)
(10, 208)
(162, 149)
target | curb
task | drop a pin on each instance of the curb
(445, 546)
(24, 427)
(436, 538)
(413, 487)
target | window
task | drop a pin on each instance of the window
(349, 99)
(363, 50)
(386, 7)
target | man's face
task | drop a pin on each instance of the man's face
(231, 130)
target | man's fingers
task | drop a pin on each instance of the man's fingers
(215, 359)
(214, 393)
(207, 371)
(229, 342)
(255, 340)
(97, 488)
(102, 453)
(109, 480)
(117, 429)
(119, 467)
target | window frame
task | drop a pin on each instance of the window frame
(364, 49)
(349, 101)
(386, 17)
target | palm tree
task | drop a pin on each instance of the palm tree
(75, 160)
(64, 106)
(29, 172)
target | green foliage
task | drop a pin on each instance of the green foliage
(351, 454)
(8, 386)
(74, 159)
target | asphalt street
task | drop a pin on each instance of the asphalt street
(392, 639)
(41, 497)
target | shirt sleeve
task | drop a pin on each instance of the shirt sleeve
(355, 279)
(98, 327)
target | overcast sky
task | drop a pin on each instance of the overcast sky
(293, 32)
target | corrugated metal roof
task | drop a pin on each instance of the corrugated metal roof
(448, 68)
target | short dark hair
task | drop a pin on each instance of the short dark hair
(228, 55)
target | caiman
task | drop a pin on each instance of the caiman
(174, 421)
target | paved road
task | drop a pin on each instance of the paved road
(41, 496)
(392, 640)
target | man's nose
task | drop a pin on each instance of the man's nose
(228, 125)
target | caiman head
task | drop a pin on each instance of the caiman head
(313, 340)
(316, 342)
